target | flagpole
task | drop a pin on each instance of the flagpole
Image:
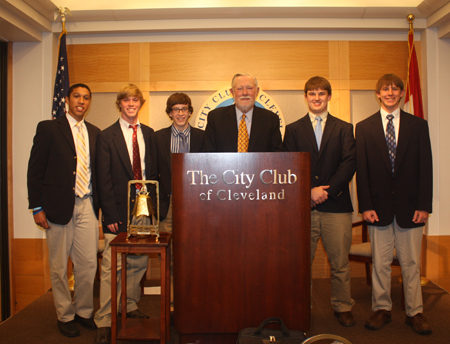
(62, 73)
(410, 17)
(413, 96)
(62, 11)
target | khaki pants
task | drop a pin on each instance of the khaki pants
(136, 267)
(408, 244)
(335, 229)
(79, 240)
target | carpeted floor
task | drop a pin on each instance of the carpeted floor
(37, 322)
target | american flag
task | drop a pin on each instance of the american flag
(413, 96)
(61, 80)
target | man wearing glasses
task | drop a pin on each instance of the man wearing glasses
(243, 127)
(180, 137)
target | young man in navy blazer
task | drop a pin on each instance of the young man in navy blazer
(332, 146)
(395, 182)
(115, 159)
(180, 137)
(63, 195)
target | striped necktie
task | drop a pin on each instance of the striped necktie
(184, 147)
(82, 180)
(137, 172)
(242, 136)
(390, 140)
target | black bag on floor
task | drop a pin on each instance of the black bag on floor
(261, 335)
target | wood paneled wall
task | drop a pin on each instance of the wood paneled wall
(207, 66)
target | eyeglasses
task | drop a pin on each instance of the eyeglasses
(177, 110)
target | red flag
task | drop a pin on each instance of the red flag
(413, 97)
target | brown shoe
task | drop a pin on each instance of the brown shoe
(103, 335)
(345, 318)
(137, 314)
(378, 319)
(419, 324)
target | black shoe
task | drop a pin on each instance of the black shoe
(137, 314)
(86, 323)
(103, 335)
(68, 329)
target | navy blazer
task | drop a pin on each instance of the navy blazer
(221, 132)
(163, 157)
(411, 186)
(114, 170)
(334, 164)
(52, 169)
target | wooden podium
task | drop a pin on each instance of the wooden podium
(241, 240)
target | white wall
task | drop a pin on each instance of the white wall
(32, 95)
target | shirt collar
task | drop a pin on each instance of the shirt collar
(126, 125)
(395, 113)
(239, 114)
(323, 115)
(72, 121)
(186, 131)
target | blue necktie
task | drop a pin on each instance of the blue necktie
(390, 140)
(318, 131)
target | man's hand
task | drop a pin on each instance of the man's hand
(319, 195)
(41, 220)
(370, 216)
(114, 227)
(420, 216)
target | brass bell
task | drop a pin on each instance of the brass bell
(143, 205)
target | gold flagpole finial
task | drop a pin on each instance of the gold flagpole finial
(410, 18)
(62, 11)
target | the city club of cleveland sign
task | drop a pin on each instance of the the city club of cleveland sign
(223, 98)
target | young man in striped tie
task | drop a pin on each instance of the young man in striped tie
(395, 182)
(62, 195)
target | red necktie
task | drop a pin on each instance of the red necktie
(137, 172)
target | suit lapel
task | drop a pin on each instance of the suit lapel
(67, 132)
(380, 139)
(196, 141)
(231, 126)
(329, 127)
(121, 146)
(256, 128)
(92, 142)
(166, 149)
(307, 128)
(147, 132)
(404, 134)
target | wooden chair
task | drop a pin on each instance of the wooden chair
(363, 253)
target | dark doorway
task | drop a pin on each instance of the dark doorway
(4, 236)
